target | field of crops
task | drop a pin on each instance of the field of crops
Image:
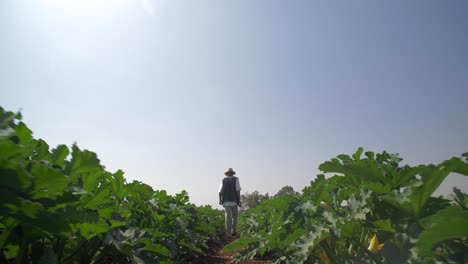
(61, 206)
(370, 210)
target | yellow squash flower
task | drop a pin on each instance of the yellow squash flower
(374, 245)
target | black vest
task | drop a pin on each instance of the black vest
(229, 189)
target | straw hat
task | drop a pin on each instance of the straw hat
(230, 171)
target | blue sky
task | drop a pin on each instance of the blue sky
(175, 92)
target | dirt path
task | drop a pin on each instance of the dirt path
(218, 257)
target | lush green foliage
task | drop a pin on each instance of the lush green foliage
(334, 219)
(62, 206)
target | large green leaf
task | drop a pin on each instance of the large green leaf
(83, 162)
(432, 177)
(41, 151)
(90, 230)
(117, 182)
(402, 177)
(458, 165)
(320, 189)
(461, 198)
(96, 200)
(48, 182)
(448, 223)
(350, 228)
(357, 171)
(358, 205)
(8, 149)
(14, 176)
(92, 181)
(190, 246)
(357, 155)
(156, 248)
(59, 154)
(238, 244)
(292, 237)
(29, 209)
(7, 118)
(7, 225)
(45, 222)
(385, 225)
(23, 133)
(302, 248)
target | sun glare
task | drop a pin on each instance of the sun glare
(86, 8)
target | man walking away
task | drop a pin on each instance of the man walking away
(229, 197)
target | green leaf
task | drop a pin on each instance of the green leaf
(94, 201)
(241, 243)
(8, 224)
(320, 189)
(6, 118)
(59, 154)
(358, 205)
(91, 181)
(41, 151)
(292, 237)
(357, 155)
(458, 165)
(448, 223)
(370, 155)
(432, 177)
(344, 157)
(46, 222)
(48, 182)
(460, 198)
(23, 133)
(190, 246)
(356, 172)
(385, 225)
(83, 162)
(182, 197)
(377, 188)
(75, 215)
(8, 149)
(30, 209)
(350, 228)
(156, 248)
(11, 251)
(117, 181)
(14, 176)
(90, 230)
(302, 248)
(404, 176)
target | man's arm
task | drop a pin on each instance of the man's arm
(220, 198)
(238, 189)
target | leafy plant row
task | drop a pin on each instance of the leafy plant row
(371, 210)
(62, 206)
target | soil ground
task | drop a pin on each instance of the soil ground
(216, 256)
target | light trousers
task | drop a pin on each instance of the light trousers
(230, 219)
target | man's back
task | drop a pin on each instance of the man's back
(229, 189)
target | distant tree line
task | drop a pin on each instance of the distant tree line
(251, 200)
